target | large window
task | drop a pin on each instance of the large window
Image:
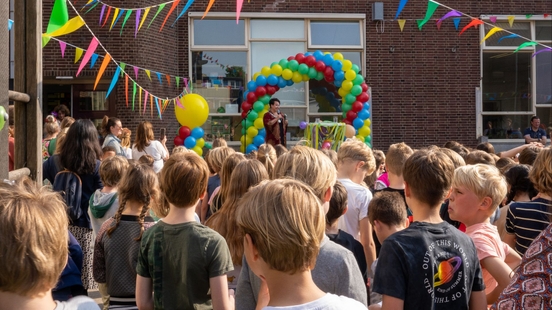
(515, 86)
(225, 55)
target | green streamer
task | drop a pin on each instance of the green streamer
(133, 94)
(161, 7)
(129, 12)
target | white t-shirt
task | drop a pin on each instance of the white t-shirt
(327, 302)
(156, 150)
(358, 198)
(77, 303)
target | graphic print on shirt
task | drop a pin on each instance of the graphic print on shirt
(444, 266)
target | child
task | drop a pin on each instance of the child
(431, 264)
(283, 222)
(118, 241)
(147, 160)
(183, 263)
(214, 160)
(33, 243)
(107, 152)
(354, 162)
(477, 190)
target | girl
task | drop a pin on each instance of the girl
(247, 174)
(118, 242)
(51, 129)
(111, 129)
(214, 161)
(217, 198)
(125, 142)
(267, 156)
(144, 144)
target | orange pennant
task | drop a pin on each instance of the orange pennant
(151, 105)
(168, 79)
(174, 5)
(211, 2)
(126, 89)
(106, 16)
(105, 62)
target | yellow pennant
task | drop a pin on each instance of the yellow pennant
(511, 20)
(78, 54)
(144, 18)
(114, 18)
(401, 23)
(72, 25)
(490, 33)
(148, 73)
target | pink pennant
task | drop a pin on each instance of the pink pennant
(146, 95)
(239, 4)
(62, 46)
(493, 19)
(136, 72)
(89, 51)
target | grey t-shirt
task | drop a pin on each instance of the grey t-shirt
(77, 303)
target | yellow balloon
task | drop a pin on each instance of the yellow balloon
(367, 122)
(342, 92)
(195, 111)
(265, 71)
(256, 75)
(347, 65)
(338, 56)
(287, 74)
(200, 142)
(242, 148)
(198, 150)
(252, 131)
(350, 75)
(305, 78)
(246, 140)
(297, 77)
(277, 70)
(347, 85)
(258, 123)
(360, 137)
(265, 109)
(326, 53)
(364, 131)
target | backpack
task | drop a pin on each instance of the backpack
(69, 185)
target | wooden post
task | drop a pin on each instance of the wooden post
(4, 78)
(28, 79)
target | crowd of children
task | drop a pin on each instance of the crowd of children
(435, 228)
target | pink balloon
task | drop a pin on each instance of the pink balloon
(326, 145)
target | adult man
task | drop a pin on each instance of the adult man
(535, 133)
(275, 124)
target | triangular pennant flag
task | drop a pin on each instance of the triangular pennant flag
(490, 33)
(136, 71)
(71, 26)
(89, 51)
(511, 20)
(174, 5)
(123, 67)
(93, 60)
(177, 78)
(157, 105)
(62, 46)
(239, 4)
(144, 18)
(168, 77)
(10, 24)
(431, 7)
(92, 7)
(186, 7)
(113, 81)
(146, 94)
(127, 16)
(186, 83)
(105, 62)
(211, 2)
(543, 50)
(161, 7)
(510, 36)
(58, 18)
(126, 89)
(450, 14)
(179, 103)
(139, 99)
(133, 93)
(456, 22)
(473, 23)
(402, 3)
(151, 105)
(137, 22)
(526, 44)
(528, 16)
(78, 54)
(420, 23)
(545, 15)
(159, 77)
(401, 23)
(107, 16)
(148, 73)
(438, 24)
(493, 19)
(102, 14)
(116, 16)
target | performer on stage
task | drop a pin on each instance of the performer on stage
(275, 124)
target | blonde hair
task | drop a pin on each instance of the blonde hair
(219, 142)
(51, 126)
(307, 165)
(286, 223)
(483, 180)
(217, 156)
(33, 238)
(226, 172)
(457, 160)
(266, 154)
(280, 150)
(541, 174)
(247, 174)
(144, 134)
(332, 155)
(356, 150)
(396, 156)
(112, 170)
(146, 160)
(66, 122)
(180, 149)
(125, 137)
(60, 139)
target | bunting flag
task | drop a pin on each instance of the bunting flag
(146, 12)
(137, 22)
(157, 105)
(58, 18)
(473, 23)
(168, 77)
(490, 33)
(89, 51)
(159, 9)
(526, 44)
(10, 24)
(456, 22)
(78, 54)
(431, 7)
(62, 46)
(528, 16)
(113, 81)
(151, 105)
(136, 72)
(174, 5)
(126, 89)
(511, 36)
(102, 13)
(148, 73)
(548, 49)
(115, 20)
(123, 67)
(71, 26)
(177, 81)
(239, 4)
(450, 14)
(140, 100)
(103, 66)
(511, 20)
(127, 16)
(133, 94)
(93, 60)
(493, 19)
(188, 5)
(402, 3)
(159, 77)
(107, 16)
(146, 94)
(211, 2)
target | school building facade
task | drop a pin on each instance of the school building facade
(428, 85)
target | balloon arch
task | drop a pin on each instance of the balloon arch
(301, 68)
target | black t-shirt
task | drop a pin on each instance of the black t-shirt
(408, 212)
(429, 266)
(349, 242)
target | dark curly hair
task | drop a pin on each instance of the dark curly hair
(518, 178)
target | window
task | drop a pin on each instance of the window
(218, 32)
(515, 86)
(330, 33)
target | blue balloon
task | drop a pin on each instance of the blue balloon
(250, 148)
(328, 59)
(190, 142)
(261, 80)
(330, 96)
(366, 106)
(258, 140)
(262, 132)
(307, 54)
(337, 65)
(272, 80)
(318, 55)
(289, 82)
(245, 94)
(363, 114)
(339, 75)
(358, 123)
(197, 133)
(281, 82)
(337, 83)
(251, 85)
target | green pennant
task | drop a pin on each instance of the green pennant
(161, 7)
(128, 13)
(133, 94)
(58, 18)
(431, 7)
(123, 66)
(177, 82)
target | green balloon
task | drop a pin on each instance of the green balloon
(258, 106)
(356, 90)
(248, 123)
(208, 145)
(369, 144)
(368, 139)
(3, 118)
(243, 130)
(355, 68)
(252, 116)
(350, 98)
(346, 107)
(312, 73)
(272, 64)
(293, 65)
(319, 76)
(283, 63)
(265, 99)
(303, 69)
(359, 79)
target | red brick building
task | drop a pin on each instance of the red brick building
(428, 86)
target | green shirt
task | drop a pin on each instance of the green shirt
(180, 259)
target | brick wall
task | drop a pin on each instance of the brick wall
(423, 92)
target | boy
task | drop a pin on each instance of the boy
(354, 162)
(431, 264)
(283, 222)
(33, 247)
(477, 190)
(182, 262)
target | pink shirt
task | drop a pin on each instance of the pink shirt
(488, 244)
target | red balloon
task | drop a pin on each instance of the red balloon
(351, 115)
(244, 114)
(348, 122)
(178, 141)
(363, 97)
(329, 78)
(328, 72)
(364, 87)
(251, 97)
(300, 57)
(260, 91)
(356, 106)
(184, 132)
(310, 61)
(270, 90)
(276, 87)
(320, 66)
(291, 58)
(246, 106)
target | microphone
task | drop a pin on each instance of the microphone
(279, 119)
(278, 111)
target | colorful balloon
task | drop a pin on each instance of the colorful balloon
(364, 130)
(178, 141)
(276, 70)
(287, 74)
(258, 123)
(200, 142)
(184, 132)
(303, 125)
(347, 65)
(190, 142)
(358, 123)
(198, 150)
(197, 133)
(349, 131)
(265, 71)
(195, 111)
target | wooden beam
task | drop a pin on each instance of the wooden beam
(4, 78)
(17, 96)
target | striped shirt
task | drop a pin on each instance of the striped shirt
(527, 220)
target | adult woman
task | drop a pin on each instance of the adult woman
(111, 129)
(145, 145)
(125, 142)
(51, 129)
(275, 124)
(80, 156)
(60, 112)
